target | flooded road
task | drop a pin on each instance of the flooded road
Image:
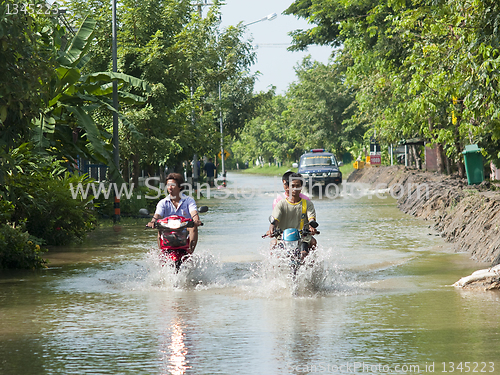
(377, 299)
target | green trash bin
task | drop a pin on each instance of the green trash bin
(473, 164)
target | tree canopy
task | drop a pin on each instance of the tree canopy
(312, 114)
(422, 68)
(184, 58)
(56, 104)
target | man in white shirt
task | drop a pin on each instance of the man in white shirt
(176, 203)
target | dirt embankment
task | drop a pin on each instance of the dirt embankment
(467, 216)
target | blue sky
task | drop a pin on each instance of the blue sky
(271, 37)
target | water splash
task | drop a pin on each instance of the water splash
(321, 274)
(201, 271)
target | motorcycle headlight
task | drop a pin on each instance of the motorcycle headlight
(291, 245)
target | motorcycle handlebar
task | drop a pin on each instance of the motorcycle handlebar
(306, 232)
(276, 233)
(156, 226)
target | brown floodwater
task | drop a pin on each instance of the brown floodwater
(375, 298)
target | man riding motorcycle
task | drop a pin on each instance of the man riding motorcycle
(176, 203)
(295, 212)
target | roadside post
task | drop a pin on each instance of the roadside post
(375, 157)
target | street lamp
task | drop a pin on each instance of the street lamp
(269, 17)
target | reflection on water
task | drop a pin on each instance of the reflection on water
(376, 291)
(175, 354)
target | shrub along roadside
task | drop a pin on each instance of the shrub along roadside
(17, 248)
(37, 208)
(55, 216)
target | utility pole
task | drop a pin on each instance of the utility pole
(196, 173)
(200, 4)
(222, 156)
(116, 153)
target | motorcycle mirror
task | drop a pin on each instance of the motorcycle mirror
(272, 220)
(202, 209)
(313, 224)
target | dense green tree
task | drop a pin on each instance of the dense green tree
(184, 58)
(422, 68)
(27, 60)
(265, 136)
(45, 98)
(320, 102)
(312, 114)
(46, 108)
(66, 126)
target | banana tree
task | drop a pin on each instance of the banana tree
(79, 106)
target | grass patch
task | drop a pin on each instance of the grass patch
(274, 170)
(346, 170)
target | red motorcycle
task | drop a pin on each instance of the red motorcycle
(174, 237)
